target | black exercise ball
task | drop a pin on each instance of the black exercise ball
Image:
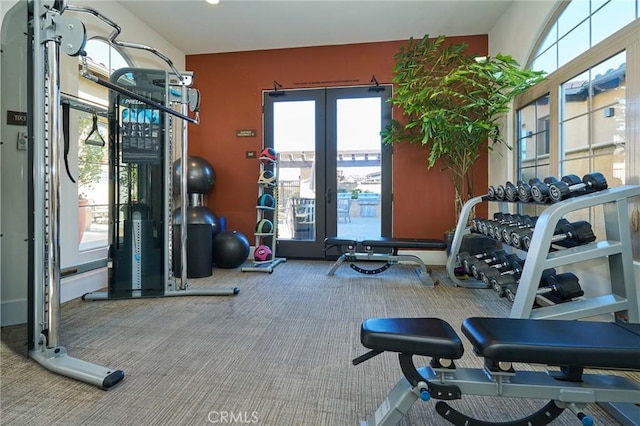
(201, 177)
(197, 215)
(230, 249)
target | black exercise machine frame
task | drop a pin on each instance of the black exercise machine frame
(499, 342)
(349, 253)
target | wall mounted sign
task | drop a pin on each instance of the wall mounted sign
(16, 118)
(248, 133)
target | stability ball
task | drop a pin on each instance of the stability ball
(201, 177)
(197, 215)
(230, 249)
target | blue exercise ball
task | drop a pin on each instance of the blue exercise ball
(230, 249)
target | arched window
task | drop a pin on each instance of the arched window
(103, 55)
(576, 121)
(581, 25)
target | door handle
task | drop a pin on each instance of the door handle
(329, 195)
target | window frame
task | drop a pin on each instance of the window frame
(625, 39)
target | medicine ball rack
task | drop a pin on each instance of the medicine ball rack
(265, 212)
(621, 296)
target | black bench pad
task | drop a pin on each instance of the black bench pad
(556, 342)
(334, 241)
(405, 243)
(421, 336)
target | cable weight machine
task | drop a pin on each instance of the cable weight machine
(51, 32)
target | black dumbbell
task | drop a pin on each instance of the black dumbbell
(524, 189)
(484, 225)
(491, 192)
(564, 286)
(568, 234)
(511, 191)
(494, 227)
(503, 261)
(514, 267)
(540, 190)
(522, 237)
(524, 223)
(466, 256)
(496, 231)
(512, 278)
(490, 258)
(499, 193)
(564, 189)
(477, 223)
(515, 235)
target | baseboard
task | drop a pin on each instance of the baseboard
(75, 286)
(14, 312)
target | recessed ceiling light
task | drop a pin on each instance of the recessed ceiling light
(213, 1)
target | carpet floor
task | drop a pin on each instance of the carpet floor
(278, 353)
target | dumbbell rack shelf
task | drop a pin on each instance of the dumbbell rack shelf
(616, 246)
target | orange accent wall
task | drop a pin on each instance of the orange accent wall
(231, 86)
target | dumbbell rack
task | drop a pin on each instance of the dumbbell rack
(623, 295)
(261, 213)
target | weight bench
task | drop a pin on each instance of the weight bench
(570, 345)
(349, 252)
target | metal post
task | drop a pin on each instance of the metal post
(52, 191)
(183, 193)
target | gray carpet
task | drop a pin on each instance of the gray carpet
(279, 353)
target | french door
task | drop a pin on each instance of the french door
(335, 174)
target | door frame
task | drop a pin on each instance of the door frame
(326, 160)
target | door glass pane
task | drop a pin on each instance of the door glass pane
(359, 169)
(294, 130)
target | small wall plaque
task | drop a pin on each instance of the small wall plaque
(16, 118)
(248, 133)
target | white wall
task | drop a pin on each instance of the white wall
(13, 167)
(13, 294)
(515, 34)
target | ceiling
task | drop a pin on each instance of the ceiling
(196, 27)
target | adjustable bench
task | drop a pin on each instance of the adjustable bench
(570, 345)
(349, 252)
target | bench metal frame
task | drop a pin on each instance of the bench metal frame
(522, 384)
(351, 255)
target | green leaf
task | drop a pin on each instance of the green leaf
(452, 104)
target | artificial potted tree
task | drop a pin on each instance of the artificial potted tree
(453, 103)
